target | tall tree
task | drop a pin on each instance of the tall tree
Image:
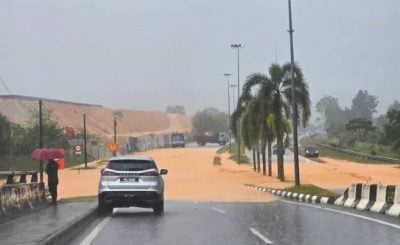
(330, 111)
(364, 105)
(275, 92)
(361, 126)
(5, 135)
(392, 128)
(53, 135)
(209, 120)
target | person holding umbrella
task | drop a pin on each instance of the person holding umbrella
(51, 167)
(52, 179)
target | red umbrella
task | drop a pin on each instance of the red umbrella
(47, 153)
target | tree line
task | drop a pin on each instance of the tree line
(356, 126)
(22, 140)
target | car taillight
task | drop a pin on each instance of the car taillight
(152, 173)
(108, 173)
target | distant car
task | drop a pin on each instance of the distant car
(177, 140)
(311, 151)
(275, 150)
(131, 181)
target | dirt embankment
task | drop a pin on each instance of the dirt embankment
(99, 119)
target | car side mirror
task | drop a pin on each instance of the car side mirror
(163, 171)
(101, 170)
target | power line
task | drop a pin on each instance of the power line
(27, 108)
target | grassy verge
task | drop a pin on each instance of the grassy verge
(312, 190)
(83, 168)
(80, 199)
(325, 152)
(233, 152)
(26, 163)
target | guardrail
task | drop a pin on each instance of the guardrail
(22, 176)
(356, 153)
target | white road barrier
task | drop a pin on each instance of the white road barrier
(351, 199)
(380, 199)
(395, 208)
(365, 197)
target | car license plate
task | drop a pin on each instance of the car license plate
(129, 179)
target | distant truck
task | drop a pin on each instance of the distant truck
(221, 138)
(177, 140)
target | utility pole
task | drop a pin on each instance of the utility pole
(294, 103)
(84, 139)
(41, 138)
(229, 113)
(115, 136)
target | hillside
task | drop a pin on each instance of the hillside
(99, 119)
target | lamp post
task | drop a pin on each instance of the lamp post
(238, 46)
(233, 86)
(229, 112)
(294, 103)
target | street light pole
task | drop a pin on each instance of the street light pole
(229, 113)
(233, 86)
(294, 103)
(238, 46)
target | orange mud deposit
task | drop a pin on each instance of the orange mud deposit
(192, 176)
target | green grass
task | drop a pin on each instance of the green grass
(22, 163)
(80, 199)
(234, 155)
(326, 152)
(233, 152)
(83, 168)
(26, 163)
(243, 158)
(223, 149)
(312, 190)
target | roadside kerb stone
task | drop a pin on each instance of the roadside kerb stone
(296, 196)
(70, 230)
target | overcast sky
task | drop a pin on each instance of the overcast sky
(148, 54)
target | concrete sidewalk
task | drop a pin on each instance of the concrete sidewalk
(50, 225)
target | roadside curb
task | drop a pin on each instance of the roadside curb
(295, 196)
(70, 230)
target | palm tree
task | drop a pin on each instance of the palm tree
(275, 96)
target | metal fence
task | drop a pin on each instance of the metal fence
(356, 153)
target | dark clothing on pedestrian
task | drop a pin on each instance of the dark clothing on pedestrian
(52, 178)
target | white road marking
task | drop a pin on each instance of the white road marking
(219, 210)
(88, 240)
(347, 213)
(261, 236)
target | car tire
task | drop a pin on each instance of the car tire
(102, 208)
(158, 208)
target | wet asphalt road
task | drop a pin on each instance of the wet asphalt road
(279, 222)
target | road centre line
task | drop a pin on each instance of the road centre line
(347, 213)
(261, 236)
(219, 210)
(88, 240)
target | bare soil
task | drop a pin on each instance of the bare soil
(192, 176)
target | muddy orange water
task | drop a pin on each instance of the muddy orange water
(192, 176)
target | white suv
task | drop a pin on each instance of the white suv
(129, 181)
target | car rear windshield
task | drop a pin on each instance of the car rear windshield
(177, 137)
(131, 165)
